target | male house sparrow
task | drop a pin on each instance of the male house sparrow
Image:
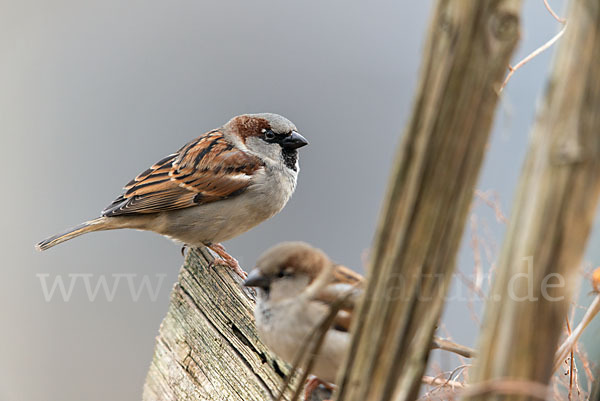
(296, 286)
(214, 188)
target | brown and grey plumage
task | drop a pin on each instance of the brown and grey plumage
(214, 188)
(297, 284)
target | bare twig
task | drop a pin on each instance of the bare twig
(441, 382)
(470, 284)
(317, 337)
(586, 367)
(450, 346)
(571, 361)
(493, 203)
(511, 70)
(570, 341)
(508, 386)
(504, 386)
(551, 11)
(475, 245)
(313, 343)
(532, 55)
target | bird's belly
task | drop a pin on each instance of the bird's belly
(220, 221)
(287, 336)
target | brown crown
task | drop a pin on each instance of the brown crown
(247, 126)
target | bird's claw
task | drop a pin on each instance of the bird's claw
(226, 259)
(312, 384)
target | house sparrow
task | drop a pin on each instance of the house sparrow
(215, 188)
(297, 284)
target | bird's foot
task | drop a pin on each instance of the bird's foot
(227, 260)
(184, 247)
(312, 384)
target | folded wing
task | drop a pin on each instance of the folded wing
(347, 285)
(205, 170)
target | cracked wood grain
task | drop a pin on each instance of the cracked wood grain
(431, 189)
(553, 213)
(207, 347)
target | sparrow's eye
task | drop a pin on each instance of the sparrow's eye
(284, 273)
(269, 135)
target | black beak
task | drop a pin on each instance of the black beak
(256, 279)
(294, 141)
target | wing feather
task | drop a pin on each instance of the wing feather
(347, 284)
(207, 169)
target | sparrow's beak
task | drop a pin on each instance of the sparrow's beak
(294, 141)
(256, 279)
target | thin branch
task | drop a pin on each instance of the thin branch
(539, 49)
(508, 386)
(586, 366)
(493, 203)
(551, 11)
(315, 340)
(450, 383)
(532, 55)
(570, 341)
(441, 382)
(446, 345)
(475, 245)
(492, 387)
(571, 363)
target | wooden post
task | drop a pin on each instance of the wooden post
(207, 347)
(468, 48)
(595, 396)
(552, 215)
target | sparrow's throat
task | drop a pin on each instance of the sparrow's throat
(290, 158)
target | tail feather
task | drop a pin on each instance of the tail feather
(88, 226)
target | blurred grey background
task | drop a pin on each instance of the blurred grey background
(94, 92)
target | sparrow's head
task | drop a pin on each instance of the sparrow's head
(269, 136)
(287, 269)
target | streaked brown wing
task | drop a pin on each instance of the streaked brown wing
(344, 275)
(346, 284)
(342, 321)
(205, 170)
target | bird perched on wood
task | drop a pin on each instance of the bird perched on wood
(214, 188)
(297, 284)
